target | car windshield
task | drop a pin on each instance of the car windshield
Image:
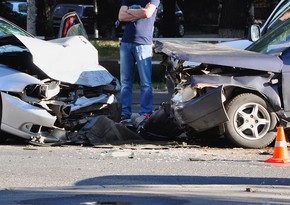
(282, 13)
(274, 42)
(62, 9)
(10, 28)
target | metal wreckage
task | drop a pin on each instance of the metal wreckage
(239, 94)
(61, 106)
(51, 93)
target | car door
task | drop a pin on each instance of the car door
(71, 25)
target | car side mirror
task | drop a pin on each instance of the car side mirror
(254, 33)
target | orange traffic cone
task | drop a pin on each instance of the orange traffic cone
(280, 154)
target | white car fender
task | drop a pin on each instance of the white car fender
(15, 81)
(19, 116)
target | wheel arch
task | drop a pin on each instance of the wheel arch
(231, 92)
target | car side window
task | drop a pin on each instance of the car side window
(281, 15)
(275, 41)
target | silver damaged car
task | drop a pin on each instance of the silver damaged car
(50, 89)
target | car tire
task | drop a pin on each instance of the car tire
(252, 122)
(180, 30)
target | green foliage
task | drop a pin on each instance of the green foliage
(108, 50)
(109, 55)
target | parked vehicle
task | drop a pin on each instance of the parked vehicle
(178, 24)
(272, 21)
(51, 89)
(158, 31)
(86, 13)
(19, 7)
(242, 94)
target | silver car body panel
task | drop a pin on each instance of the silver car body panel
(84, 102)
(18, 116)
(15, 81)
(72, 60)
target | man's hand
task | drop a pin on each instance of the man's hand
(126, 14)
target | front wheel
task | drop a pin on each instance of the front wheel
(252, 122)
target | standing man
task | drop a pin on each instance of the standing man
(136, 47)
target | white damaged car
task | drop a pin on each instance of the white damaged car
(51, 89)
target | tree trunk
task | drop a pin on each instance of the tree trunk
(31, 16)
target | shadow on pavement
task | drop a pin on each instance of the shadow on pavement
(177, 180)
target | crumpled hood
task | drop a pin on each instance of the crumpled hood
(72, 60)
(218, 55)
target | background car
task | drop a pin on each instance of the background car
(86, 13)
(178, 25)
(19, 7)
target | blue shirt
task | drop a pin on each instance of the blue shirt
(140, 31)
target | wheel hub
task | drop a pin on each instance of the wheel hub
(252, 121)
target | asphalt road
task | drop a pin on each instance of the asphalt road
(152, 174)
(140, 174)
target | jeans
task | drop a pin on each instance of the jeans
(131, 54)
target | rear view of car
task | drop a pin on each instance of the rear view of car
(86, 13)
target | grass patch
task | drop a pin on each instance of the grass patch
(156, 86)
(108, 50)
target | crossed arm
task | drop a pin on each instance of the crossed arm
(126, 14)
